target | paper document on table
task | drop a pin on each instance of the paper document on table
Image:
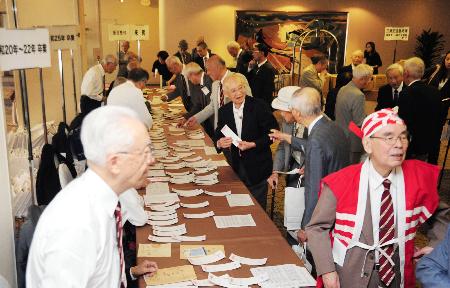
(184, 284)
(198, 215)
(185, 250)
(163, 217)
(171, 275)
(160, 213)
(169, 233)
(247, 261)
(221, 267)
(217, 194)
(220, 163)
(287, 275)
(163, 222)
(188, 193)
(161, 239)
(227, 132)
(195, 205)
(156, 173)
(161, 198)
(163, 207)
(217, 256)
(154, 250)
(157, 188)
(244, 282)
(223, 281)
(234, 221)
(170, 228)
(210, 150)
(183, 238)
(235, 200)
(292, 172)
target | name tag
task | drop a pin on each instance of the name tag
(205, 90)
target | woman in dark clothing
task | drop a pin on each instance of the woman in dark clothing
(161, 66)
(372, 57)
(440, 79)
(332, 94)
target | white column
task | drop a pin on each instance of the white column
(162, 25)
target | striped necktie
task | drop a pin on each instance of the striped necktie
(119, 229)
(221, 97)
(386, 233)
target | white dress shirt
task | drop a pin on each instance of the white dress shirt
(413, 82)
(75, 241)
(221, 82)
(262, 63)
(92, 84)
(311, 125)
(128, 95)
(238, 116)
(376, 190)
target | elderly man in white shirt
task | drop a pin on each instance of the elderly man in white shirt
(77, 242)
(93, 84)
(129, 94)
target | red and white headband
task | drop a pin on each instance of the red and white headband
(375, 121)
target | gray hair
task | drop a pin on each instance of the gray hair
(109, 59)
(358, 53)
(119, 80)
(171, 60)
(394, 66)
(415, 67)
(362, 70)
(306, 101)
(96, 132)
(234, 77)
(233, 44)
(192, 68)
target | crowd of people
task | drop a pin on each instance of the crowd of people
(370, 180)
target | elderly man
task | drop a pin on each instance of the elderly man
(287, 159)
(184, 56)
(242, 57)
(93, 90)
(326, 148)
(372, 211)
(389, 94)
(261, 74)
(310, 75)
(218, 71)
(77, 242)
(201, 95)
(123, 58)
(350, 107)
(357, 58)
(421, 110)
(203, 54)
(251, 120)
(181, 82)
(129, 94)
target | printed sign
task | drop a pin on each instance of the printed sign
(118, 32)
(64, 37)
(139, 32)
(22, 49)
(396, 33)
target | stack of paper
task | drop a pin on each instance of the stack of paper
(209, 179)
(150, 199)
(218, 194)
(247, 261)
(198, 215)
(175, 166)
(187, 193)
(194, 205)
(156, 173)
(154, 250)
(221, 267)
(183, 179)
(235, 200)
(234, 221)
(287, 275)
(208, 259)
(157, 188)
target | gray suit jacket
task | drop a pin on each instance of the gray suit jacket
(283, 155)
(310, 78)
(198, 98)
(185, 97)
(213, 106)
(350, 107)
(326, 152)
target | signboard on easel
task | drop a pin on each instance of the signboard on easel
(396, 34)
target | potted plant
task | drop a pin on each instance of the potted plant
(429, 47)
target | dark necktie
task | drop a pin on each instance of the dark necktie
(395, 96)
(119, 229)
(386, 233)
(185, 91)
(104, 86)
(221, 98)
(305, 133)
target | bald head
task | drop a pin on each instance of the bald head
(216, 67)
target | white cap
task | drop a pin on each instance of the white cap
(281, 102)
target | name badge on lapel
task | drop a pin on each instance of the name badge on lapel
(205, 90)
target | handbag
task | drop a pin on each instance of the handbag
(294, 206)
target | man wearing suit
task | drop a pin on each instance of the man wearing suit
(326, 147)
(421, 111)
(261, 74)
(203, 54)
(182, 88)
(217, 70)
(184, 56)
(200, 95)
(389, 94)
(350, 107)
(310, 75)
(242, 57)
(357, 58)
(251, 120)
(372, 210)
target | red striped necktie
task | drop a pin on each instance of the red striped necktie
(118, 214)
(221, 97)
(387, 233)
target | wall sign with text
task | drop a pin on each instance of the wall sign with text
(64, 37)
(24, 48)
(128, 32)
(396, 33)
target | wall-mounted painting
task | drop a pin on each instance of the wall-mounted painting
(319, 32)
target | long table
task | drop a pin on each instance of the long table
(264, 240)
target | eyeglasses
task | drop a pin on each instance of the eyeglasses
(147, 151)
(391, 140)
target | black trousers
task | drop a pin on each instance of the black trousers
(88, 104)
(258, 190)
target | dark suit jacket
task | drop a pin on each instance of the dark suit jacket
(327, 151)
(386, 97)
(341, 71)
(242, 62)
(181, 91)
(199, 60)
(262, 82)
(421, 111)
(198, 98)
(256, 124)
(186, 57)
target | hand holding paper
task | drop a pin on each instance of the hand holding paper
(227, 132)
